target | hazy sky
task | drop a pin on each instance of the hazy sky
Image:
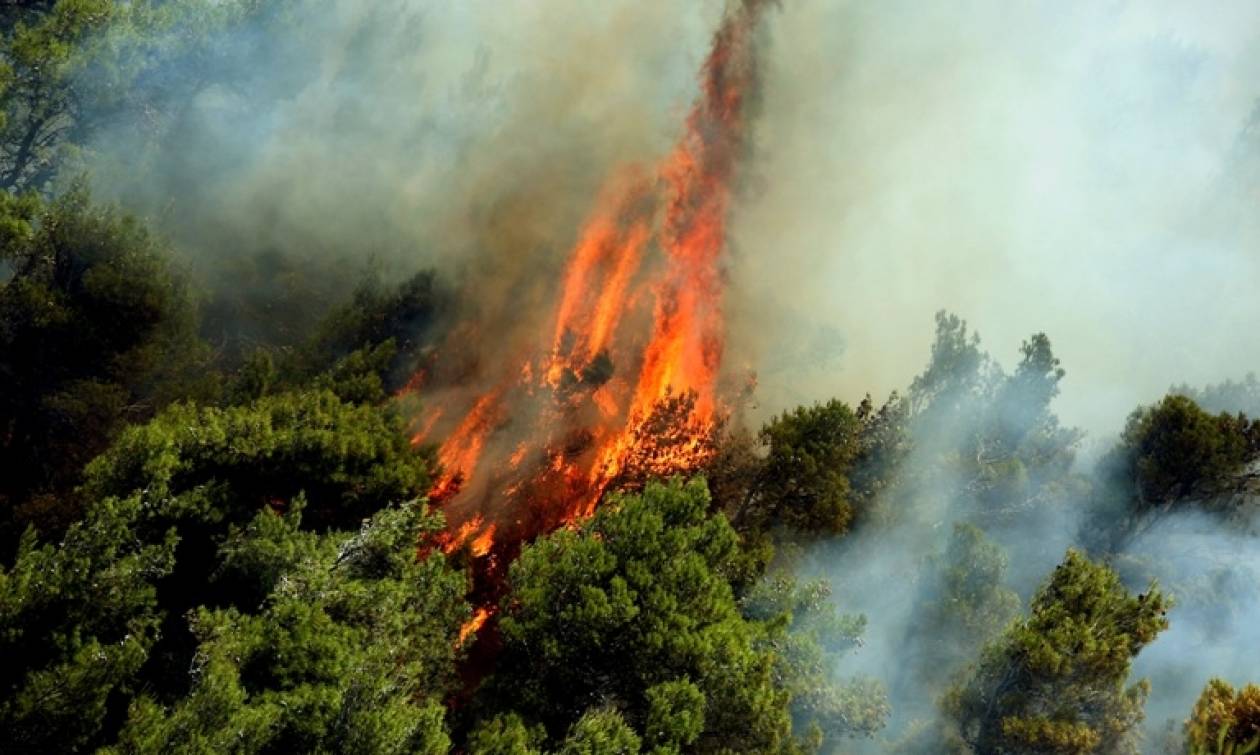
(1073, 167)
(1066, 167)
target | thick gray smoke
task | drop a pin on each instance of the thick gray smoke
(945, 509)
(412, 121)
(1203, 552)
(409, 133)
(1086, 169)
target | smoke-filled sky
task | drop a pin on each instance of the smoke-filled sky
(1066, 167)
(1080, 168)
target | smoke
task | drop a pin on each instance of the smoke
(981, 508)
(408, 133)
(1083, 169)
(895, 569)
(1212, 570)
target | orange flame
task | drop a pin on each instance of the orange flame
(610, 249)
(453, 540)
(482, 543)
(473, 625)
(460, 452)
(609, 361)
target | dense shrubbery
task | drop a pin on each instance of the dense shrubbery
(252, 537)
(237, 567)
(1175, 450)
(1055, 681)
(96, 330)
(635, 610)
(224, 541)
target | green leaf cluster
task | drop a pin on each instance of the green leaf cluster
(1057, 680)
(242, 581)
(634, 612)
(352, 651)
(1174, 449)
(96, 330)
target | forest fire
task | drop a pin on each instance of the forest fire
(636, 336)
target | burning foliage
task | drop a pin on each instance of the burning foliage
(623, 384)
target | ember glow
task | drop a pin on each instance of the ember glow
(634, 343)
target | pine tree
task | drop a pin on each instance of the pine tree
(1055, 682)
(1224, 721)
